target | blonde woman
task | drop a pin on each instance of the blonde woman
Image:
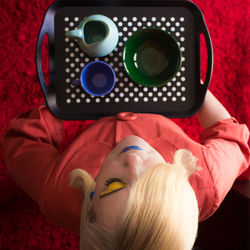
(134, 181)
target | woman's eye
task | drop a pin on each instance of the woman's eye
(113, 186)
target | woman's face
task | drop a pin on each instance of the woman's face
(131, 157)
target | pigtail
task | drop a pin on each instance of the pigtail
(187, 160)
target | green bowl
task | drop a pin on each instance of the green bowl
(151, 57)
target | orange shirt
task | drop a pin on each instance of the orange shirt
(30, 150)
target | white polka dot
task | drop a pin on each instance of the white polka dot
(66, 19)
(174, 99)
(67, 91)
(182, 19)
(183, 98)
(155, 99)
(134, 19)
(168, 24)
(126, 99)
(126, 89)
(141, 94)
(159, 94)
(131, 94)
(164, 99)
(115, 19)
(68, 101)
(117, 99)
(136, 99)
(87, 100)
(150, 94)
(107, 100)
(145, 99)
(144, 19)
(172, 19)
(125, 19)
(163, 19)
(153, 19)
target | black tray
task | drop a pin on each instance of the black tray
(181, 97)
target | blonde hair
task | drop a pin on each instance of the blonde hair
(162, 211)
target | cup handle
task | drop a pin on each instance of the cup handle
(75, 33)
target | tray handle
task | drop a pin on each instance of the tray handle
(210, 58)
(47, 28)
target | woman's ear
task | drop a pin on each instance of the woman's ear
(187, 160)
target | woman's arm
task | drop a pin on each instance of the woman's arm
(30, 149)
(212, 111)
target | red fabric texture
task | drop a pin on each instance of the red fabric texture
(22, 226)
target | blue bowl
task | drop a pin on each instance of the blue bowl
(98, 78)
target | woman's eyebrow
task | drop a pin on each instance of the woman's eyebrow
(104, 195)
(135, 147)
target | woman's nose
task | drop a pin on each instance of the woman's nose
(134, 163)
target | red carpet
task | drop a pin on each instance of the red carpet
(22, 226)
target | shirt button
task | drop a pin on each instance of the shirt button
(126, 116)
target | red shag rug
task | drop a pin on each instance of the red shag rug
(22, 226)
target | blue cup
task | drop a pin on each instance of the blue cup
(97, 78)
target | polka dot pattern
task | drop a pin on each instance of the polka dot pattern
(125, 91)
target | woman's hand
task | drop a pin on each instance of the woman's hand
(212, 111)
